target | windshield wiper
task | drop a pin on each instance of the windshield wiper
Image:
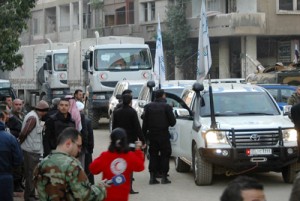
(255, 113)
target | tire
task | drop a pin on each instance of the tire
(95, 117)
(181, 166)
(289, 172)
(203, 171)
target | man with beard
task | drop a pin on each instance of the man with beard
(15, 125)
(32, 144)
(60, 176)
(55, 124)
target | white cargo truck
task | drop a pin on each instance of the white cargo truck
(43, 74)
(105, 61)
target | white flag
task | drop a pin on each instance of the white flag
(204, 54)
(159, 63)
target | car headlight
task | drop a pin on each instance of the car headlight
(289, 135)
(215, 137)
(58, 92)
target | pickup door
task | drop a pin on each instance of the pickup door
(180, 133)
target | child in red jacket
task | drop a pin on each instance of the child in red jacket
(118, 160)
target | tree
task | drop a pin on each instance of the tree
(178, 33)
(13, 18)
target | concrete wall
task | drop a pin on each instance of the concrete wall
(278, 23)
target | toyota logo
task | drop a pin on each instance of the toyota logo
(255, 137)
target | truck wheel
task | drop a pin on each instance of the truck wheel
(289, 172)
(203, 171)
(181, 166)
(94, 116)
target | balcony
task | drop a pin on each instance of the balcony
(232, 24)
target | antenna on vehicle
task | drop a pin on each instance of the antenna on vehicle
(50, 43)
(212, 107)
(97, 37)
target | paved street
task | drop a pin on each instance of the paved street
(183, 187)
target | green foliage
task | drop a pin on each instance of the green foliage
(96, 4)
(178, 31)
(13, 18)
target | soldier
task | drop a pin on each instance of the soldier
(60, 176)
(294, 99)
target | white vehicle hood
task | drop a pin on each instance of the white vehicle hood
(248, 122)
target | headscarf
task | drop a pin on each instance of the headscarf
(75, 114)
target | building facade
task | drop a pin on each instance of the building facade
(240, 31)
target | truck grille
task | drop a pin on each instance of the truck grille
(246, 139)
(109, 84)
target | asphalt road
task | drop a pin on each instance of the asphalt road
(183, 186)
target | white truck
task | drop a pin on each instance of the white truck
(105, 61)
(43, 74)
(6, 90)
(232, 128)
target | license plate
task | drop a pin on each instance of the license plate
(260, 151)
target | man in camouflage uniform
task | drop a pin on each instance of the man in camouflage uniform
(294, 99)
(60, 176)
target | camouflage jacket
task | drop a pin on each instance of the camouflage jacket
(294, 99)
(61, 177)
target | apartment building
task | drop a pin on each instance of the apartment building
(240, 31)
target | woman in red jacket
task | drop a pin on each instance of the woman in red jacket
(118, 160)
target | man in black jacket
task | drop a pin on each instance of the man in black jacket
(55, 124)
(158, 116)
(126, 117)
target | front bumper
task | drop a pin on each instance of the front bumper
(237, 158)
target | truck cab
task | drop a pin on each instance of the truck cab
(106, 64)
(6, 89)
(53, 75)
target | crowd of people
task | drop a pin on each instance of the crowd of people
(51, 146)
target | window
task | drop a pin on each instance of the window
(145, 12)
(35, 26)
(149, 11)
(290, 6)
(152, 10)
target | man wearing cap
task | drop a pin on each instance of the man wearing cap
(31, 140)
(10, 157)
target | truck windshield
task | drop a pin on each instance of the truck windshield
(239, 104)
(122, 59)
(60, 62)
(4, 92)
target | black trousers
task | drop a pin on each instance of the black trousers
(160, 151)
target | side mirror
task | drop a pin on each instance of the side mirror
(45, 66)
(197, 87)
(142, 103)
(85, 65)
(286, 110)
(181, 112)
(150, 84)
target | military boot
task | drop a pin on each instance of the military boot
(164, 179)
(153, 179)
